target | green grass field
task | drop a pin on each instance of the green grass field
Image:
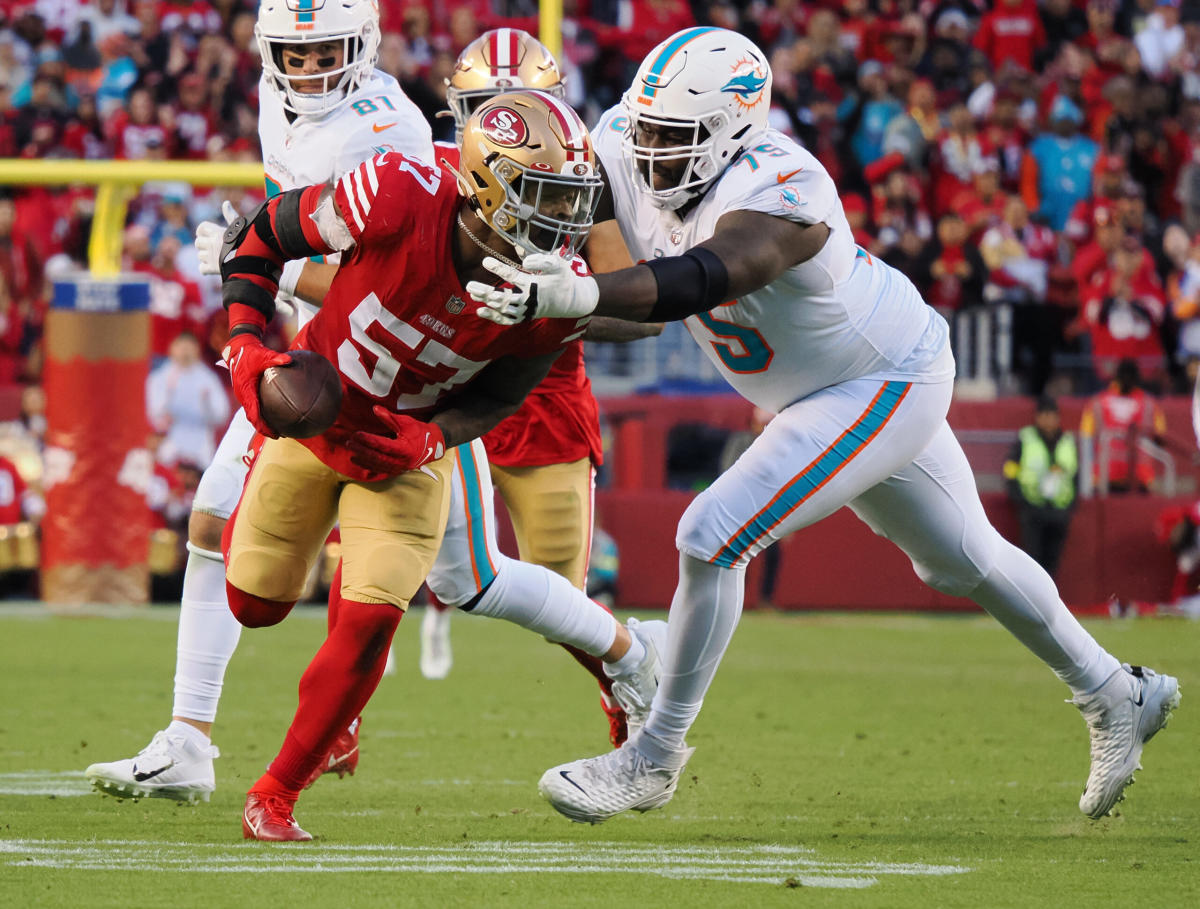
(851, 761)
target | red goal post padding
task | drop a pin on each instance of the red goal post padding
(95, 535)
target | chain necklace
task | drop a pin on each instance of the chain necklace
(487, 249)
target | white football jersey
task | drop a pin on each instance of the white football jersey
(841, 315)
(378, 117)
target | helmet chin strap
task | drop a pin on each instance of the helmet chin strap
(465, 188)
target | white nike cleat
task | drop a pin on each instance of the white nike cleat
(436, 658)
(594, 789)
(170, 767)
(635, 691)
(1122, 715)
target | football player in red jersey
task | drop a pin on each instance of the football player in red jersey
(420, 374)
(543, 458)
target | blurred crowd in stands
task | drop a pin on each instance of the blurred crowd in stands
(1039, 153)
(1042, 155)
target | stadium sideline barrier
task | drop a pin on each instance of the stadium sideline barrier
(1111, 550)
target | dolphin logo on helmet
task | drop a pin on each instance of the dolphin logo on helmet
(747, 83)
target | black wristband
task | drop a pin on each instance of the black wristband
(246, 328)
(243, 290)
(692, 283)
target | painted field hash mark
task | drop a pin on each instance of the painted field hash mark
(747, 864)
(41, 782)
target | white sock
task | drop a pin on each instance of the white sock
(189, 732)
(1019, 594)
(629, 662)
(704, 613)
(208, 636)
(546, 603)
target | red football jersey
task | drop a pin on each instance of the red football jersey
(397, 322)
(559, 421)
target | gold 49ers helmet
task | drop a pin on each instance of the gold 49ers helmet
(499, 61)
(528, 167)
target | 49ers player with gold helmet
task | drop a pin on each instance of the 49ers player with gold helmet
(419, 376)
(544, 457)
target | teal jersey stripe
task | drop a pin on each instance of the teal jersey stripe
(816, 474)
(476, 523)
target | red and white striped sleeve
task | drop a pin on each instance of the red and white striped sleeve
(379, 197)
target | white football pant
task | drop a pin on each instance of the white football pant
(884, 449)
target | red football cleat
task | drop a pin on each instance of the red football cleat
(618, 731)
(342, 757)
(269, 818)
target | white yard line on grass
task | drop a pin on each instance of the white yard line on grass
(67, 784)
(769, 864)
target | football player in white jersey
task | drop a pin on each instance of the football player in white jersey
(743, 236)
(323, 109)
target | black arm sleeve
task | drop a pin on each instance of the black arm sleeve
(692, 283)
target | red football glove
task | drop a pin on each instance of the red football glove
(247, 359)
(416, 443)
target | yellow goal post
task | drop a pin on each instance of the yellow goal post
(550, 26)
(117, 183)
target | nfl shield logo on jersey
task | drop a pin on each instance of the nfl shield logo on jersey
(455, 305)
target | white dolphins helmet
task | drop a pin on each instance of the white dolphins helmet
(709, 84)
(355, 23)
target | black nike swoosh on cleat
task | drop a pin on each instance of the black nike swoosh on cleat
(142, 777)
(563, 774)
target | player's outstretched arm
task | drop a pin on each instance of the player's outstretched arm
(748, 251)
(620, 331)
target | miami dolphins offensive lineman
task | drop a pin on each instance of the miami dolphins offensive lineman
(743, 236)
(323, 109)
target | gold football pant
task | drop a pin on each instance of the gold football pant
(390, 530)
(551, 511)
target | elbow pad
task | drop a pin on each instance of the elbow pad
(254, 249)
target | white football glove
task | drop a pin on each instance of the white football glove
(209, 236)
(547, 287)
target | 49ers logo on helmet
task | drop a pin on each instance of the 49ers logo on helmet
(504, 126)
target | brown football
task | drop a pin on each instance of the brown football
(302, 399)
